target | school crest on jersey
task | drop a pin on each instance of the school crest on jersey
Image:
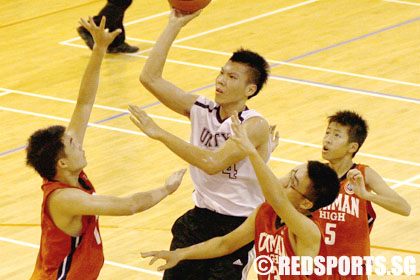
(348, 188)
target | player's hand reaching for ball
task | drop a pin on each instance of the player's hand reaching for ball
(144, 122)
(101, 36)
(173, 181)
(182, 18)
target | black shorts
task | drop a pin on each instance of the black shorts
(198, 225)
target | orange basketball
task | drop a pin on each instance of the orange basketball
(189, 5)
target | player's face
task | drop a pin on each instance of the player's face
(335, 143)
(75, 155)
(232, 83)
(298, 183)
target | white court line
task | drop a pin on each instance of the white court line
(206, 32)
(5, 93)
(402, 2)
(107, 262)
(338, 88)
(290, 64)
(187, 122)
(142, 134)
(246, 20)
(405, 182)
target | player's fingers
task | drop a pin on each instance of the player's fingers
(102, 24)
(147, 254)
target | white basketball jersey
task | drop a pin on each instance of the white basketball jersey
(234, 191)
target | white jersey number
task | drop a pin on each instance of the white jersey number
(330, 233)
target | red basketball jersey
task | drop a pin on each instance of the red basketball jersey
(347, 223)
(272, 240)
(62, 256)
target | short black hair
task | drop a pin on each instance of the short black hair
(325, 185)
(45, 148)
(258, 65)
(358, 127)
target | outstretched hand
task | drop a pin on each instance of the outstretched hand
(172, 182)
(144, 122)
(101, 36)
(240, 136)
(172, 258)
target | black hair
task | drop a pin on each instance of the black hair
(325, 185)
(257, 64)
(358, 127)
(45, 148)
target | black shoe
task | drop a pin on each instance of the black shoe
(85, 35)
(123, 48)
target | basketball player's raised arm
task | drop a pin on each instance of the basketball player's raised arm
(89, 85)
(151, 77)
(307, 232)
(74, 202)
(209, 161)
(377, 191)
(213, 248)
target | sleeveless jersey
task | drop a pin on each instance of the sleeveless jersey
(272, 240)
(234, 191)
(347, 223)
(62, 256)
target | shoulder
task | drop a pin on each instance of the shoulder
(257, 127)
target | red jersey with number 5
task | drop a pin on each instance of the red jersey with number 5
(347, 222)
(62, 256)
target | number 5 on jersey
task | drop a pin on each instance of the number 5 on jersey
(330, 233)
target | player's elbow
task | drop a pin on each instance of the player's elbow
(406, 210)
(145, 79)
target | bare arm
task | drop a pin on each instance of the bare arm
(213, 248)
(74, 202)
(307, 233)
(378, 191)
(209, 161)
(90, 80)
(151, 76)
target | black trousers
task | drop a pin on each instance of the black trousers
(114, 13)
(198, 225)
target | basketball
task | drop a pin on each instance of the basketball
(189, 5)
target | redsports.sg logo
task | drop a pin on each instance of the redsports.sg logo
(343, 265)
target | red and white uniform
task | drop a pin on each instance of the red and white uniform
(347, 223)
(62, 256)
(272, 240)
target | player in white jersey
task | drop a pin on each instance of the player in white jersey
(226, 187)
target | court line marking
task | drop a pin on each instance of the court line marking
(291, 64)
(142, 134)
(346, 89)
(246, 20)
(211, 30)
(107, 262)
(406, 181)
(182, 121)
(403, 2)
